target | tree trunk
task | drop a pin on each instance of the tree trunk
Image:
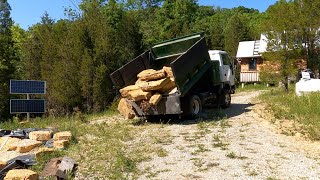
(286, 84)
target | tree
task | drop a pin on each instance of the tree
(308, 28)
(175, 17)
(235, 31)
(281, 30)
(7, 58)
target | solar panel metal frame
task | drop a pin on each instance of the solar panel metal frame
(27, 92)
(39, 100)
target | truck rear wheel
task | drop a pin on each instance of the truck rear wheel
(225, 99)
(193, 107)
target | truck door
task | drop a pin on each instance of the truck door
(226, 72)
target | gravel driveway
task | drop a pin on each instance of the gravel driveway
(244, 145)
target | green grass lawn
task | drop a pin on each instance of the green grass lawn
(305, 109)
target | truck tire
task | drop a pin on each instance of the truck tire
(192, 107)
(225, 99)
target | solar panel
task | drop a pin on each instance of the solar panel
(27, 106)
(27, 87)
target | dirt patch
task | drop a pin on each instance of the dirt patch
(245, 145)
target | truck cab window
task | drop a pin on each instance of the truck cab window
(253, 64)
(225, 59)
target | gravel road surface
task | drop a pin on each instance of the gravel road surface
(243, 145)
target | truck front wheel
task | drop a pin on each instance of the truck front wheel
(225, 99)
(193, 107)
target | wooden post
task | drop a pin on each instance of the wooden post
(242, 85)
(28, 114)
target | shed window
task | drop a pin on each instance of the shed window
(253, 64)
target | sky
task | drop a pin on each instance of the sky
(28, 12)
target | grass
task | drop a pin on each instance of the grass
(217, 143)
(108, 150)
(251, 87)
(232, 155)
(304, 109)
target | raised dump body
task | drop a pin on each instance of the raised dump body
(192, 69)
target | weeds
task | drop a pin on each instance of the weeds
(218, 143)
(200, 149)
(233, 155)
(251, 87)
(304, 109)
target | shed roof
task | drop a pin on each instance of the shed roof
(252, 48)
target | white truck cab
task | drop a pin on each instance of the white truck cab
(227, 74)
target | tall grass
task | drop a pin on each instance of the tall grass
(304, 109)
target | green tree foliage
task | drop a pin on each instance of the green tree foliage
(308, 20)
(76, 55)
(236, 30)
(8, 59)
(281, 30)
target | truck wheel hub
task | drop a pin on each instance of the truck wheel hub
(227, 98)
(196, 107)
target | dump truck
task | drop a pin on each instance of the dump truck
(202, 77)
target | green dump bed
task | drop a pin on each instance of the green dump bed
(187, 56)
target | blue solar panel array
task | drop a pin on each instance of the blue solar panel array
(27, 87)
(27, 106)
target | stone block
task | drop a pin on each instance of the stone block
(2, 164)
(152, 76)
(42, 151)
(21, 174)
(64, 135)
(168, 71)
(154, 85)
(6, 156)
(40, 135)
(146, 73)
(155, 99)
(6, 142)
(125, 109)
(125, 91)
(168, 86)
(138, 95)
(24, 145)
(60, 144)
